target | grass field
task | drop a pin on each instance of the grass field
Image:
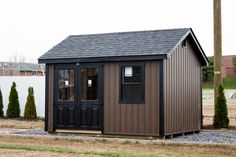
(61, 146)
(20, 123)
(229, 83)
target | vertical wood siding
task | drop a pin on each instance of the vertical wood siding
(131, 119)
(182, 91)
(50, 97)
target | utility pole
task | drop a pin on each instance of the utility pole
(217, 47)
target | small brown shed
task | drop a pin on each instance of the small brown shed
(128, 83)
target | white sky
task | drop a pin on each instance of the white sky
(29, 28)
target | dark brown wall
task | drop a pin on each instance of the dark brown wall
(50, 97)
(132, 119)
(182, 91)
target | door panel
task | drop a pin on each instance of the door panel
(90, 96)
(65, 117)
(95, 117)
(65, 97)
(90, 118)
(83, 117)
(60, 117)
(71, 117)
(78, 99)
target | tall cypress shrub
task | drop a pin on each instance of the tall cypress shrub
(13, 109)
(30, 108)
(221, 119)
(1, 104)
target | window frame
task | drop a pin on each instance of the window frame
(121, 83)
(81, 84)
(100, 96)
(56, 89)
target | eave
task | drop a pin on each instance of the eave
(104, 59)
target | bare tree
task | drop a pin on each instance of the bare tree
(22, 59)
(15, 58)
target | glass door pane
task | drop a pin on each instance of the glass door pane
(89, 84)
(66, 90)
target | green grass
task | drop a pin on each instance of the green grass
(121, 154)
(110, 153)
(127, 142)
(41, 148)
(208, 85)
(151, 154)
(229, 83)
(54, 149)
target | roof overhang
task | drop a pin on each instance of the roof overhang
(202, 57)
(205, 61)
(104, 59)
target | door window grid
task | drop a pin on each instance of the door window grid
(66, 85)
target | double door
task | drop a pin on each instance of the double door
(79, 97)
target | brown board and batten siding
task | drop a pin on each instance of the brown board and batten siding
(131, 119)
(182, 91)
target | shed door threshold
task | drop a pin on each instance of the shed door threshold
(79, 131)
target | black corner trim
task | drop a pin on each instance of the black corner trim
(46, 100)
(201, 112)
(162, 107)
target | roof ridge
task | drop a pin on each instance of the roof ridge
(126, 32)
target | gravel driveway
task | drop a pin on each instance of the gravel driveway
(207, 137)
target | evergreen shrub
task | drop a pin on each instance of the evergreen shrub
(221, 119)
(13, 108)
(30, 108)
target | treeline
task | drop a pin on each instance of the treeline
(208, 71)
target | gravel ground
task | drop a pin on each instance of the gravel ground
(211, 137)
(207, 137)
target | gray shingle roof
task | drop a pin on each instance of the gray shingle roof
(155, 42)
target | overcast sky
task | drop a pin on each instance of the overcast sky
(29, 28)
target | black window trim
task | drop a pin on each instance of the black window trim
(64, 67)
(142, 84)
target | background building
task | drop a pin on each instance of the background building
(21, 69)
(228, 65)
